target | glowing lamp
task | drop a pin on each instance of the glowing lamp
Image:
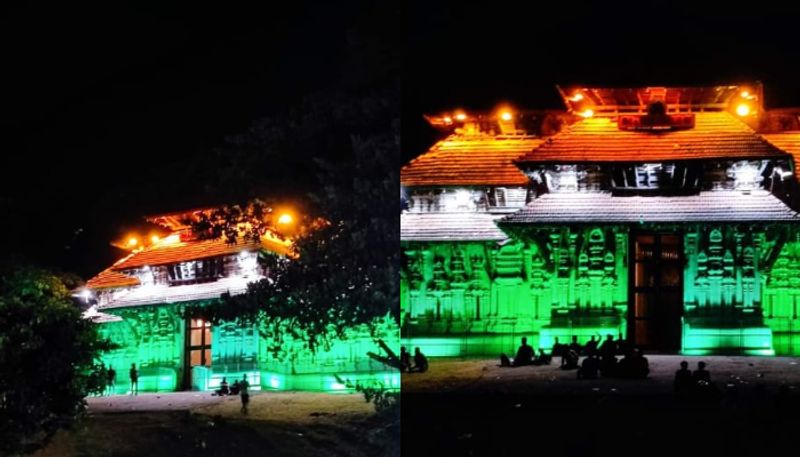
(577, 97)
(742, 110)
(154, 239)
(461, 117)
(587, 113)
(506, 116)
(132, 241)
(745, 94)
(285, 219)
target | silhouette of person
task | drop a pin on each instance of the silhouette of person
(405, 359)
(543, 358)
(134, 375)
(589, 367)
(683, 379)
(574, 345)
(570, 360)
(223, 387)
(608, 348)
(244, 393)
(524, 354)
(622, 345)
(558, 348)
(591, 346)
(111, 380)
(420, 362)
(701, 374)
(639, 366)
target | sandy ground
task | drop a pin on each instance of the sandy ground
(471, 407)
(188, 423)
(474, 375)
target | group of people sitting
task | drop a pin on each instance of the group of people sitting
(694, 383)
(601, 359)
(225, 389)
(420, 361)
(525, 356)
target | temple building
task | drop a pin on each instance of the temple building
(139, 303)
(664, 215)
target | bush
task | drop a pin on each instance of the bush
(48, 355)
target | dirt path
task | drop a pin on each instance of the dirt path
(187, 423)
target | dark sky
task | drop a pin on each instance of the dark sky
(111, 111)
(474, 55)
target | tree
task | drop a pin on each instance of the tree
(347, 269)
(48, 355)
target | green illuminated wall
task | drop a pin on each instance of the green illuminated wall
(153, 337)
(741, 289)
(481, 297)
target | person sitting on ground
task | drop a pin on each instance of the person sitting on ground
(701, 374)
(405, 359)
(524, 356)
(683, 379)
(608, 348)
(622, 345)
(543, 358)
(639, 366)
(234, 389)
(223, 388)
(569, 361)
(589, 367)
(608, 364)
(591, 346)
(420, 362)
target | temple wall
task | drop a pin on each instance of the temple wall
(741, 289)
(550, 283)
(153, 337)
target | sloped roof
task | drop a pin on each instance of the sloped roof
(463, 160)
(174, 294)
(602, 207)
(450, 227)
(162, 254)
(109, 278)
(789, 142)
(716, 135)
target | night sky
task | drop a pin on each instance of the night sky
(112, 112)
(474, 56)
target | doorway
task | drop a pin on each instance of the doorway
(198, 349)
(654, 314)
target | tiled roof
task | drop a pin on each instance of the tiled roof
(173, 294)
(109, 278)
(789, 142)
(462, 160)
(183, 251)
(715, 135)
(602, 207)
(450, 227)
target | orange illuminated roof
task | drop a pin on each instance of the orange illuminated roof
(789, 142)
(716, 135)
(161, 254)
(110, 278)
(462, 160)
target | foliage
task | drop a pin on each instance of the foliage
(48, 356)
(347, 270)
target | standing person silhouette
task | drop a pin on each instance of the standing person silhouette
(244, 393)
(134, 374)
(112, 379)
